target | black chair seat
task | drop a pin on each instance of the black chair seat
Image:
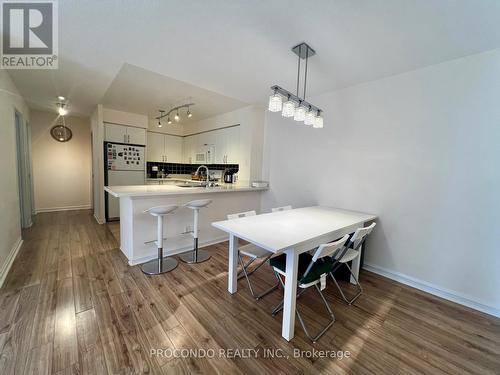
(320, 267)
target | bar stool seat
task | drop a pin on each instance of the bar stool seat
(199, 203)
(160, 265)
(161, 210)
(196, 255)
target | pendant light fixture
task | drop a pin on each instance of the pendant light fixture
(295, 106)
(177, 116)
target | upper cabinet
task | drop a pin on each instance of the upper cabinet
(124, 134)
(219, 146)
(164, 148)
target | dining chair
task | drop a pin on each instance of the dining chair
(353, 246)
(253, 252)
(312, 271)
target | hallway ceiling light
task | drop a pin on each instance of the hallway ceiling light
(60, 132)
(62, 109)
(177, 116)
(295, 106)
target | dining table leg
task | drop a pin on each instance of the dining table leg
(232, 275)
(288, 325)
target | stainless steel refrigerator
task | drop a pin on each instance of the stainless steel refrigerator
(124, 165)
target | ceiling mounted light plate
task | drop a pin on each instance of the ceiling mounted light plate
(303, 50)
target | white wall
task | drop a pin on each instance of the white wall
(10, 227)
(421, 150)
(61, 171)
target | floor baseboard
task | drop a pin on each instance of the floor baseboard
(141, 260)
(66, 208)
(10, 260)
(433, 289)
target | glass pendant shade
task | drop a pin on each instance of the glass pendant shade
(275, 103)
(318, 122)
(288, 108)
(310, 118)
(300, 114)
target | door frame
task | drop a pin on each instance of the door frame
(23, 170)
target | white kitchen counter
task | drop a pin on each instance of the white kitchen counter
(138, 229)
(173, 189)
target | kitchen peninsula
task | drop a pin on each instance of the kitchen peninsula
(138, 230)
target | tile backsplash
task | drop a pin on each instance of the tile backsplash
(180, 168)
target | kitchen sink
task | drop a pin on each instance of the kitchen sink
(194, 184)
(187, 185)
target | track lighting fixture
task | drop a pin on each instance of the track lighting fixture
(295, 106)
(177, 116)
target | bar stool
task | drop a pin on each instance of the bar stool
(196, 256)
(160, 265)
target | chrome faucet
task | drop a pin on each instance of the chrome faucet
(208, 175)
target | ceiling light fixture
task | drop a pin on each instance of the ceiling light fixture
(177, 116)
(61, 97)
(62, 109)
(294, 105)
(159, 120)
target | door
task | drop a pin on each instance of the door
(115, 133)
(23, 171)
(173, 148)
(155, 147)
(136, 136)
(121, 178)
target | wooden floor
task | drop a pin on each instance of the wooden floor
(70, 304)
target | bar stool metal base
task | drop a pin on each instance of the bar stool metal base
(190, 257)
(195, 256)
(159, 266)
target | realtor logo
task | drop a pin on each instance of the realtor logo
(29, 35)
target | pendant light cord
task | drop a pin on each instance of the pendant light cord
(298, 71)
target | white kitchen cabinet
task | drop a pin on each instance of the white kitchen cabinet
(136, 136)
(233, 145)
(124, 134)
(173, 148)
(224, 143)
(164, 148)
(155, 149)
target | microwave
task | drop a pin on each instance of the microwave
(206, 155)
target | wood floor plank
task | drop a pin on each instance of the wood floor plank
(65, 339)
(71, 304)
(16, 343)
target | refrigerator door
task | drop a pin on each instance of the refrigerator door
(124, 157)
(121, 178)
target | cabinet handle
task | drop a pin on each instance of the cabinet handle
(124, 138)
(128, 138)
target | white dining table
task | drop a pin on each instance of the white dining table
(291, 232)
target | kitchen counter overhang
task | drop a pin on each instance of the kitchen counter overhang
(172, 189)
(138, 229)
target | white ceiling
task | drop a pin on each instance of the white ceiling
(239, 48)
(141, 91)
